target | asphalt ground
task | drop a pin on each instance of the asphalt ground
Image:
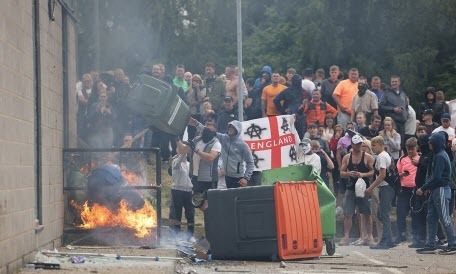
(348, 259)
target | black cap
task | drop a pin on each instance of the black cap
(445, 116)
(428, 111)
(228, 98)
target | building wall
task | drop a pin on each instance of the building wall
(18, 181)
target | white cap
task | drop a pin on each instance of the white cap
(356, 139)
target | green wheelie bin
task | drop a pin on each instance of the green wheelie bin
(326, 199)
(159, 104)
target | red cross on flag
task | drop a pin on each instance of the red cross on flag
(272, 140)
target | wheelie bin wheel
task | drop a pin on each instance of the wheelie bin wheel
(330, 247)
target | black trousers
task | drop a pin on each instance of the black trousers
(183, 200)
(232, 182)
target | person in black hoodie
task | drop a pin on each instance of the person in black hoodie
(293, 98)
(431, 102)
(438, 183)
(418, 203)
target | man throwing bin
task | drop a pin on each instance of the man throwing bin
(235, 154)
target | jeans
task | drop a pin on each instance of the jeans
(438, 209)
(403, 209)
(386, 195)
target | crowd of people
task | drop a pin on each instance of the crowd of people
(351, 132)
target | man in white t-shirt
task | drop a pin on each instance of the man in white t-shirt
(205, 151)
(386, 192)
(446, 121)
(306, 155)
(307, 83)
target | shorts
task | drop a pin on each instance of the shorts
(201, 187)
(351, 202)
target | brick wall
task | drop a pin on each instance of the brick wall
(18, 238)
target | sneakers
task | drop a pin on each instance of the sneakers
(448, 251)
(383, 245)
(339, 211)
(427, 250)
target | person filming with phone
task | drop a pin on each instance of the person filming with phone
(406, 166)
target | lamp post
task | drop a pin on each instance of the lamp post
(239, 59)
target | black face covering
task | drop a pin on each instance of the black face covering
(208, 135)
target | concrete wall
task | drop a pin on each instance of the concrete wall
(18, 183)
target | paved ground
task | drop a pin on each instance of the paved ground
(355, 260)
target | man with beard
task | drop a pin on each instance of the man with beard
(204, 153)
(292, 98)
(237, 159)
(365, 101)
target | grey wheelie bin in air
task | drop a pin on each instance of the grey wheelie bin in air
(159, 104)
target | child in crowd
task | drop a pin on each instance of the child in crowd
(406, 166)
(209, 115)
(360, 121)
(329, 126)
(181, 193)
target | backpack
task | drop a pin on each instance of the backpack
(392, 176)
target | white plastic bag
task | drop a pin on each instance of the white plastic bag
(360, 187)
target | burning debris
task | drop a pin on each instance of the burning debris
(112, 202)
(141, 220)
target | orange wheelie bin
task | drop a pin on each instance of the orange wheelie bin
(299, 231)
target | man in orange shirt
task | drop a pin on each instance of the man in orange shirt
(316, 109)
(269, 93)
(343, 96)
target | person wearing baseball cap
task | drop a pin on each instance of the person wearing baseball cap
(227, 114)
(446, 120)
(355, 165)
(430, 125)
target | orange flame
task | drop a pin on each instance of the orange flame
(131, 177)
(141, 220)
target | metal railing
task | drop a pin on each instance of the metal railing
(87, 157)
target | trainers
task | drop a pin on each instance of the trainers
(448, 251)
(358, 242)
(369, 242)
(383, 245)
(427, 250)
(339, 210)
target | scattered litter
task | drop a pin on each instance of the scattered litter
(70, 247)
(282, 264)
(78, 259)
(196, 260)
(192, 272)
(231, 270)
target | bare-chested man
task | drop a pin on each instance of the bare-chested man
(231, 83)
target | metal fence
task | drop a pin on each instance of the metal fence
(144, 166)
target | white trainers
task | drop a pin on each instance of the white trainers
(339, 211)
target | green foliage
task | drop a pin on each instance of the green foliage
(413, 39)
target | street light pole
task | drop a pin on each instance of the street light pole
(239, 59)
